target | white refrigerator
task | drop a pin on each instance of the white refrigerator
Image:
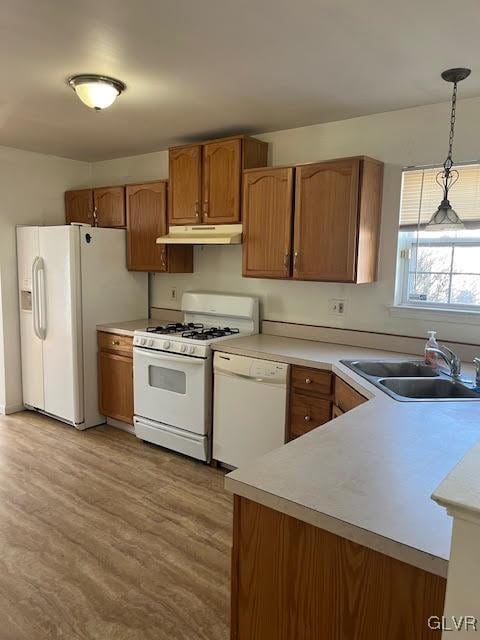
(71, 278)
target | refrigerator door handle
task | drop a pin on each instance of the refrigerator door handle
(38, 304)
(42, 316)
(36, 327)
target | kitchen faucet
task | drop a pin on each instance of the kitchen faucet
(476, 362)
(452, 360)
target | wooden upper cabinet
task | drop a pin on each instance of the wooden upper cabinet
(79, 206)
(146, 221)
(222, 169)
(205, 179)
(337, 220)
(109, 206)
(326, 213)
(185, 191)
(267, 220)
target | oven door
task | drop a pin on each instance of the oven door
(173, 389)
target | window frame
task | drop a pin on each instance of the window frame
(404, 271)
(401, 300)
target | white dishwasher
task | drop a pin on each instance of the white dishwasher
(250, 405)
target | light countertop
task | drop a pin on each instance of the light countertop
(368, 475)
(128, 328)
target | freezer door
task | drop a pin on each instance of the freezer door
(110, 293)
(29, 261)
(60, 322)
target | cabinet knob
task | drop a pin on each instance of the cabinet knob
(308, 381)
(307, 418)
(116, 342)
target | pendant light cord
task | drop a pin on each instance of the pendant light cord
(449, 162)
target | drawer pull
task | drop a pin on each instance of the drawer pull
(308, 381)
(307, 418)
(116, 343)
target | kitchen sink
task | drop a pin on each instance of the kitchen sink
(414, 369)
(412, 381)
(428, 389)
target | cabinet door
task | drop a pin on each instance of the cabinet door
(146, 221)
(79, 206)
(346, 397)
(267, 220)
(326, 212)
(110, 206)
(222, 168)
(115, 393)
(185, 185)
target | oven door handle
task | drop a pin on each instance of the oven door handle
(168, 357)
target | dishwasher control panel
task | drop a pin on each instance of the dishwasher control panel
(246, 367)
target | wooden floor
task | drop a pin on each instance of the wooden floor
(104, 537)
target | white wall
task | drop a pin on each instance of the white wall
(399, 138)
(31, 192)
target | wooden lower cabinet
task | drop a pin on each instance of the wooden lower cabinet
(336, 412)
(294, 581)
(310, 400)
(346, 397)
(115, 376)
(307, 413)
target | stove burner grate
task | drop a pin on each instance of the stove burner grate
(176, 327)
(210, 333)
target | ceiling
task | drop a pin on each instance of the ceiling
(205, 68)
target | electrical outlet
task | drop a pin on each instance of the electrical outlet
(173, 293)
(337, 307)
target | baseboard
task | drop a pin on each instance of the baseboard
(6, 410)
(123, 426)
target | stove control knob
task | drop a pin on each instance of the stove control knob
(183, 348)
(142, 341)
(150, 343)
(191, 349)
(166, 344)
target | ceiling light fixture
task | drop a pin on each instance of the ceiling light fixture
(445, 217)
(97, 92)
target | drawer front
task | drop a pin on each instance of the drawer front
(346, 397)
(307, 413)
(313, 381)
(116, 343)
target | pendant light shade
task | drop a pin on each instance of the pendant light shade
(445, 217)
(97, 92)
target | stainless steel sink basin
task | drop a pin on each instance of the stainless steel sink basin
(428, 389)
(414, 369)
(412, 381)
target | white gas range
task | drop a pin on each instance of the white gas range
(173, 370)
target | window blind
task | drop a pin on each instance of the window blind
(421, 196)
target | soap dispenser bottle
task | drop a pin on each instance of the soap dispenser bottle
(431, 358)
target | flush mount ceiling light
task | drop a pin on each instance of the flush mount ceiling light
(445, 217)
(97, 92)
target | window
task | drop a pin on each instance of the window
(439, 269)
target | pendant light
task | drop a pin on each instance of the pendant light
(97, 92)
(446, 218)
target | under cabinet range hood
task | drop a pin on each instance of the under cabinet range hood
(203, 234)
